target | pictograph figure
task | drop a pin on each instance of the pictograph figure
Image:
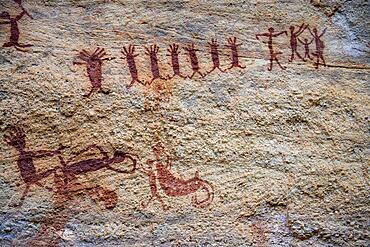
(273, 55)
(234, 53)
(306, 47)
(16, 138)
(171, 185)
(19, 2)
(152, 51)
(319, 53)
(194, 60)
(71, 169)
(174, 53)
(14, 30)
(215, 56)
(130, 57)
(93, 62)
(294, 41)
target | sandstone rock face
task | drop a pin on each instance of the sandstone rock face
(108, 149)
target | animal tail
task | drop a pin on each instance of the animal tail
(206, 186)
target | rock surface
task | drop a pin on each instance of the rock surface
(283, 154)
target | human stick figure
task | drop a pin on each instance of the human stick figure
(306, 44)
(16, 138)
(191, 51)
(152, 52)
(14, 30)
(294, 41)
(234, 53)
(174, 54)
(319, 53)
(93, 61)
(273, 55)
(129, 55)
(215, 55)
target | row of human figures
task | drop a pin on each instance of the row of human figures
(94, 59)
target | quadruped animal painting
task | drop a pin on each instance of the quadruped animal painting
(242, 94)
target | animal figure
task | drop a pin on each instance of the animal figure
(171, 185)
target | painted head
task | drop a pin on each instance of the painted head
(15, 137)
(291, 28)
(4, 15)
(271, 29)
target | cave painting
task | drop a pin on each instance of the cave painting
(297, 36)
(14, 30)
(319, 53)
(16, 138)
(70, 169)
(93, 61)
(273, 55)
(159, 172)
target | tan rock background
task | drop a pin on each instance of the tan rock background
(286, 151)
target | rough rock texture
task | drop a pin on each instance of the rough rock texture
(286, 151)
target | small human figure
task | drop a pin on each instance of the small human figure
(14, 30)
(306, 44)
(191, 50)
(294, 41)
(16, 138)
(273, 55)
(129, 55)
(215, 56)
(234, 53)
(319, 53)
(174, 54)
(93, 61)
(152, 52)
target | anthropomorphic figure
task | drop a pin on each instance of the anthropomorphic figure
(152, 52)
(234, 53)
(319, 53)
(16, 138)
(215, 55)
(93, 61)
(306, 44)
(294, 41)
(14, 30)
(174, 54)
(129, 55)
(273, 55)
(192, 53)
